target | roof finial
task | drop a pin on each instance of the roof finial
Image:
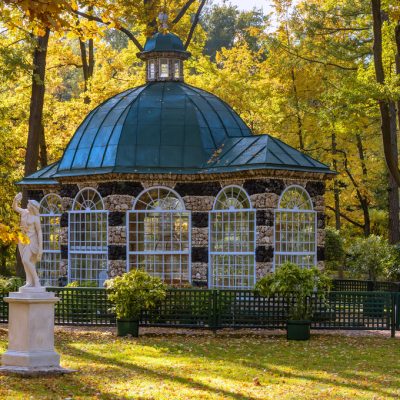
(163, 18)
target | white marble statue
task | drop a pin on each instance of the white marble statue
(31, 253)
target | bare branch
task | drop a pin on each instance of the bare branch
(195, 22)
(121, 28)
(347, 218)
(285, 48)
(182, 12)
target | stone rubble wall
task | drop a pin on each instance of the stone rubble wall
(199, 198)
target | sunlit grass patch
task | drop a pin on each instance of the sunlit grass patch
(248, 365)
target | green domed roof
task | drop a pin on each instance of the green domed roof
(158, 127)
(164, 42)
(172, 128)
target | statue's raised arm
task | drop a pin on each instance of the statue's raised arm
(17, 202)
(31, 253)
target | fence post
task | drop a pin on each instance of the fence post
(214, 310)
(393, 322)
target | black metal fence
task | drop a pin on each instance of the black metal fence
(353, 285)
(216, 309)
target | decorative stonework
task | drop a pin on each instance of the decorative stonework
(264, 186)
(264, 200)
(200, 254)
(199, 203)
(162, 182)
(64, 236)
(117, 235)
(66, 203)
(199, 271)
(198, 189)
(263, 269)
(116, 268)
(200, 237)
(63, 268)
(118, 202)
(83, 185)
(265, 235)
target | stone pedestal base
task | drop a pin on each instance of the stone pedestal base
(31, 333)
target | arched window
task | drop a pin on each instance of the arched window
(295, 229)
(159, 235)
(50, 214)
(88, 241)
(232, 241)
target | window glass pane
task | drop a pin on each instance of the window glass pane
(159, 236)
(152, 69)
(88, 239)
(295, 229)
(177, 69)
(164, 68)
(48, 268)
(232, 241)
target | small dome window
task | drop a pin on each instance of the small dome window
(152, 69)
(164, 70)
(177, 69)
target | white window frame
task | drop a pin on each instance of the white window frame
(172, 212)
(251, 267)
(51, 258)
(177, 73)
(292, 255)
(151, 72)
(160, 63)
(88, 252)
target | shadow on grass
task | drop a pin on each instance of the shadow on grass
(273, 364)
(90, 357)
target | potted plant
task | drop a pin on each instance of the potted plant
(296, 285)
(371, 257)
(131, 294)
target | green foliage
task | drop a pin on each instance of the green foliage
(292, 281)
(82, 284)
(371, 257)
(10, 284)
(133, 293)
(334, 249)
(393, 272)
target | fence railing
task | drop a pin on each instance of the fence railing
(353, 285)
(216, 309)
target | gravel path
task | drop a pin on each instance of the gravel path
(221, 332)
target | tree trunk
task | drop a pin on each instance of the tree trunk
(363, 200)
(35, 130)
(36, 105)
(87, 64)
(384, 108)
(336, 189)
(43, 149)
(393, 189)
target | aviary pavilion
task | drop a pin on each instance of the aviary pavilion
(168, 178)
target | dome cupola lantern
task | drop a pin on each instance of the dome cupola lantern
(164, 54)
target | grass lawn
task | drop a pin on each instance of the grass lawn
(231, 365)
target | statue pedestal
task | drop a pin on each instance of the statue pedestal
(31, 333)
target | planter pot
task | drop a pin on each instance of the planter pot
(127, 327)
(298, 330)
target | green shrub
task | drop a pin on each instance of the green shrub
(133, 293)
(291, 281)
(82, 284)
(335, 254)
(10, 284)
(371, 257)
